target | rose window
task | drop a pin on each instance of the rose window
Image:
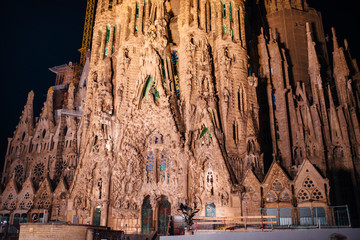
(251, 190)
(44, 195)
(277, 186)
(47, 204)
(12, 205)
(60, 166)
(19, 173)
(27, 196)
(40, 204)
(285, 196)
(271, 197)
(303, 195)
(39, 170)
(10, 197)
(29, 204)
(247, 197)
(308, 183)
(317, 195)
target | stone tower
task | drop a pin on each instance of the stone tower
(289, 19)
(170, 115)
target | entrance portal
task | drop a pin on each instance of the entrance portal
(146, 216)
(97, 216)
(164, 213)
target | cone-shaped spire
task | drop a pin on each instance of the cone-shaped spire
(47, 110)
(335, 41)
(27, 116)
(341, 71)
(334, 121)
(71, 97)
(314, 66)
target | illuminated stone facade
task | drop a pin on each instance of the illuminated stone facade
(167, 110)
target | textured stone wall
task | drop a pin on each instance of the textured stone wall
(30, 231)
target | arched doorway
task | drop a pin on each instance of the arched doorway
(146, 216)
(210, 210)
(97, 216)
(164, 213)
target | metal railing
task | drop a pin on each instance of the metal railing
(334, 216)
(232, 223)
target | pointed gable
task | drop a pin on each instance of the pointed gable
(61, 188)
(252, 196)
(43, 198)
(310, 185)
(26, 123)
(277, 185)
(9, 196)
(27, 187)
(10, 187)
(252, 186)
(26, 195)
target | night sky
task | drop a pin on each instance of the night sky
(37, 35)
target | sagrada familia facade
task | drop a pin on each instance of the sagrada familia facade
(230, 104)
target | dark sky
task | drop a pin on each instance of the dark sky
(36, 35)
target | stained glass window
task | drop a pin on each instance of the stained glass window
(223, 10)
(247, 197)
(303, 195)
(317, 195)
(150, 162)
(277, 186)
(308, 183)
(285, 196)
(271, 197)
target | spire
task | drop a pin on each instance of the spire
(27, 116)
(71, 97)
(314, 66)
(334, 121)
(47, 110)
(341, 71)
(250, 126)
(335, 41)
(353, 62)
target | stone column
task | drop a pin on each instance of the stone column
(146, 15)
(236, 22)
(132, 17)
(213, 16)
(195, 13)
(140, 18)
(242, 26)
(202, 15)
(208, 13)
(227, 20)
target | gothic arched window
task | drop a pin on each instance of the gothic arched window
(163, 166)
(19, 173)
(150, 162)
